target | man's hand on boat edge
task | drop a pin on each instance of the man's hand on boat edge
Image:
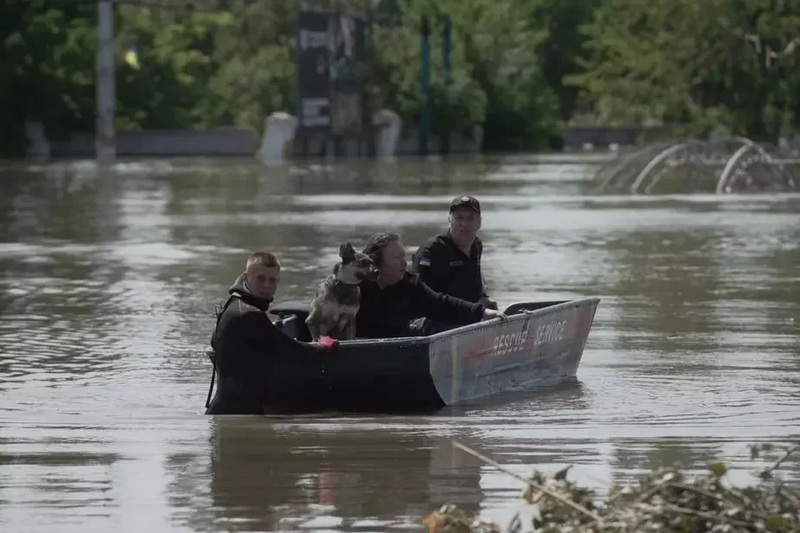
(488, 302)
(489, 314)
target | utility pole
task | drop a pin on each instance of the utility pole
(105, 137)
(448, 79)
(425, 83)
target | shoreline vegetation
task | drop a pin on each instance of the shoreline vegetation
(666, 500)
(521, 69)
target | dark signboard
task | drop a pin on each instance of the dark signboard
(313, 72)
(331, 72)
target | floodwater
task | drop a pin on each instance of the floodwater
(109, 282)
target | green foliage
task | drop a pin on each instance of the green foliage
(561, 47)
(500, 46)
(255, 72)
(396, 51)
(520, 68)
(688, 62)
(175, 62)
(45, 70)
(200, 68)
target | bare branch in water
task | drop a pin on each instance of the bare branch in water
(536, 486)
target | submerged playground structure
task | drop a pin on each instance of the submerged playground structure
(736, 164)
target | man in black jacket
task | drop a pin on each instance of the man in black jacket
(450, 262)
(250, 352)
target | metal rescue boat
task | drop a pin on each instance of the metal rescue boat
(540, 344)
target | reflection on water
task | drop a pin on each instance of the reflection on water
(108, 287)
(287, 477)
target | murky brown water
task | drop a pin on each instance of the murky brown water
(106, 298)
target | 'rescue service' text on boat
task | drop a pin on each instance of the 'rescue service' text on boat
(511, 342)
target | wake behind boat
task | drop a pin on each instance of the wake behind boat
(540, 344)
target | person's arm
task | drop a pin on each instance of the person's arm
(484, 289)
(485, 299)
(262, 333)
(442, 307)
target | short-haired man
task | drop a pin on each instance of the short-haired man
(450, 262)
(248, 347)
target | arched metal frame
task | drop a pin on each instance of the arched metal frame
(644, 168)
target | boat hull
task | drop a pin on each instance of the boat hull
(540, 344)
(533, 348)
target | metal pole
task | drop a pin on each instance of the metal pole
(105, 137)
(447, 68)
(425, 64)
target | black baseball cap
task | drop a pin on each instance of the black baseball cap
(468, 201)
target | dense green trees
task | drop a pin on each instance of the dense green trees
(521, 68)
(46, 66)
(694, 63)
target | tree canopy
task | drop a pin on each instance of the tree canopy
(520, 68)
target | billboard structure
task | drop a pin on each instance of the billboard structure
(313, 72)
(332, 70)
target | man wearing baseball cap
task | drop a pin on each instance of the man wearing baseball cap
(451, 261)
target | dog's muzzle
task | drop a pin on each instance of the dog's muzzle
(372, 274)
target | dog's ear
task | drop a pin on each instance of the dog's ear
(346, 251)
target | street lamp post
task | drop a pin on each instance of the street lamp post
(105, 137)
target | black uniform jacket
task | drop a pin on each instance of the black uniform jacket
(253, 357)
(386, 313)
(445, 268)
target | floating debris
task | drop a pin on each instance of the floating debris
(665, 501)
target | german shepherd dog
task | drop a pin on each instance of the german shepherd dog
(335, 304)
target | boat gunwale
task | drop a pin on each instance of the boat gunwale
(475, 326)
